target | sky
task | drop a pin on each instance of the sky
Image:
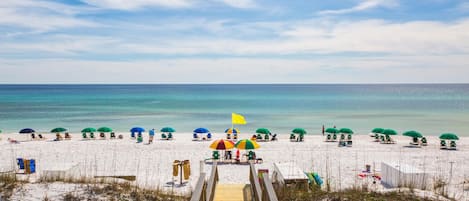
(234, 41)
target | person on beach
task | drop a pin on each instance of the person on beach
(13, 141)
(152, 134)
(323, 130)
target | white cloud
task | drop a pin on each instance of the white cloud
(41, 15)
(239, 3)
(137, 4)
(364, 5)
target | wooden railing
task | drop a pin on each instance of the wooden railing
(199, 191)
(212, 183)
(261, 191)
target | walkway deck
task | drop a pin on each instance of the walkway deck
(229, 192)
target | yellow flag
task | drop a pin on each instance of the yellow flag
(237, 119)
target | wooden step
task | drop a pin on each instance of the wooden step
(229, 192)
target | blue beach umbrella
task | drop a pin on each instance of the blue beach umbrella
(27, 131)
(137, 130)
(201, 130)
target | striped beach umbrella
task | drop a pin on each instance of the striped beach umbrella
(222, 144)
(58, 130)
(88, 130)
(232, 131)
(263, 131)
(247, 144)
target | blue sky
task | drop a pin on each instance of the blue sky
(234, 41)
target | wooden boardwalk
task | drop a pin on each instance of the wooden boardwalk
(229, 192)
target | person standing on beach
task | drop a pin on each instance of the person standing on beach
(323, 130)
(151, 133)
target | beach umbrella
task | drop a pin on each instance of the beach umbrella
(389, 132)
(413, 134)
(232, 131)
(104, 129)
(263, 131)
(332, 130)
(58, 130)
(222, 144)
(300, 131)
(133, 130)
(27, 130)
(88, 130)
(377, 130)
(247, 144)
(201, 130)
(449, 136)
(346, 131)
(168, 130)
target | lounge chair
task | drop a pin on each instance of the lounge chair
(328, 138)
(216, 155)
(382, 140)
(170, 136)
(266, 137)
(235, 136)
(342, 143)
(112, 135)
(195, 137)
(389, 140)
(301, 138)
(84, 136)
(228, 155)
(415, 141)
(443, 144)
(68, 136)
(228, 136)
(41, 137)
(349, 143)
(102, 136)
(274, 137)
(209, 136)
(163, 136)
(376, 137)
(292, 137)
(251, 155)
(334, 137)
(342, 137)
(452, 145)
(33, 136)
(424, 141)
(349, 137)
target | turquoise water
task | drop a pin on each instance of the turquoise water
(431, 109)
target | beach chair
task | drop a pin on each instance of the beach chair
(228, 155)
(92, 136)
(443, 144)
(195, 137)
(301, 138)
(68, 136)
(20, 163)
(328, 138)
(266, 137)
(452, 145)
(132, 135)
(84, 136)
(274, 137)
(349, 137)
(415, 141)
(58, 137)
(342, 137)
(389, 140)
(334, 137)
(216, 155)
(377, 137)
(209, 136)
(424, 141)
(139, 139)
(163, 136)
(251, 155)
(41, 137)
(292, 137)
(170, 136)
(102, 136)
(33, 136)
(112, 136)
(349, 143)
(235, 137)
(228, 136)
(382, 140)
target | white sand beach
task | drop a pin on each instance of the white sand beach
(152, 164)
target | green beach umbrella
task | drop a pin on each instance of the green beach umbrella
(332, 130)
(88, 130)
(414, 134)
(58, 130)
(377, 130)
(105, 129)
(300, 131)
(389, 132)
(449, 136)
(168, 130)
(263, 131)
(346, 131)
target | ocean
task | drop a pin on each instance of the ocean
(429, 108)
